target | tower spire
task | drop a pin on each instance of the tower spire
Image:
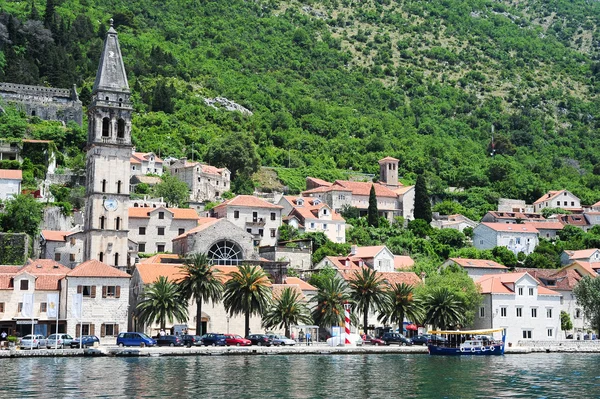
(111, 74)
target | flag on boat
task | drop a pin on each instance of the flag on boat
(77, 303)
(52, 305)
(27, 308)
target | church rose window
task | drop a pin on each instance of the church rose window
(225, 253)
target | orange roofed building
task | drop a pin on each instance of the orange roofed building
(518, 302)
(310, 215)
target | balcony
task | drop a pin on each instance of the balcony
(252, 221)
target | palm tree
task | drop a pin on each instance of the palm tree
(443, 309)
(201, 282)
(247, 292)
(368, 291)
(287, 310)
(329, 302)
(402, 304)
(163, 301)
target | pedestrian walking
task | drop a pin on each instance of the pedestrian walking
(301, 336)
(308, 338)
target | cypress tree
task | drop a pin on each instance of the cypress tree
(422, 202)
(372, 212)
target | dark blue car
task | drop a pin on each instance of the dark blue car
(134, 339)
(86, 341)
(213, 339)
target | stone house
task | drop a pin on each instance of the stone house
(143, 163)
(558, 199)
(65, 247)
(585, 255)
(310, 215)
(155, 228)
(512, 217)
(477, 268)
(548, 230)
(456, 222)
(41, 278)
(105, 302)
(519, 303)
(10, 183)
(516, 237)
(206, 183)
(298, 253)
(576, 220)
(378, 258)
(258, 217)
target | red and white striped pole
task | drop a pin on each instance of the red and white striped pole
(347, 308)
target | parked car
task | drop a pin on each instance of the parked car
(213, 339)
(260, 339)
(86, 341)
(169, 340)
(191, 340)
(237, 340)
(35, 341)
(371, 340)
(396, 338)
(58, 341)
(134, 339)
(281, 340)
(424, 339)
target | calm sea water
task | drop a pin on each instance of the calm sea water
(309, 376)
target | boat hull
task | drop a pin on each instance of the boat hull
(491, 350)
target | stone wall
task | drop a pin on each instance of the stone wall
(44, 102)
(66, 179)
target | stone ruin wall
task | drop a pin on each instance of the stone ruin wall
(46, 103)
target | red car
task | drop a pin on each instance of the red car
(232, 339)
(370, 340)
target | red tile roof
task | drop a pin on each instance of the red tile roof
(311, 211)
(304, 286)
(325, 189)
(367, 252)
(581, 254)
(249, 201)
(47, 272)
(562, 279)
(403, 262)
(178, 213)
(478, 263)
(512, 228)
(388, 159)
(516, 215)
(54, 235)
(546, 225)
(204, 225)
(343, 263)
(548, 196)
(497, 284)
(10, 174)
(364, 188)
(212, 170)
(144, 155)
(575, 220)
(95, 268)
(409, 278)
(318, 182)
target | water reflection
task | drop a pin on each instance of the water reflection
(327, 376)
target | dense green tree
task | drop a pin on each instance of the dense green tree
(443, 309)
(328, 309)
(368, 292)
(22, 214)
(422, 209)
(587, 293)
(320, 276)
(247, 292)
(162, 302)
(565, 321)
(287, 310)
(173, 191)
(402, 304)
(372, 211)
(237, 152)
(201, 282)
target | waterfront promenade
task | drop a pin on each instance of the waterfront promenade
(318, 349)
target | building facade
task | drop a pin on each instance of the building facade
(313, 215)
(63, 247)
(205, 182)
(143, 163)
(10, 183)
(516, 237)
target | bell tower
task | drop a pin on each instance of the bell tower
(108, 159)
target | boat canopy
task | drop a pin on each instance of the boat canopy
(466, 332)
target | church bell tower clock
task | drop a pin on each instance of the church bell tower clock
(108, 160)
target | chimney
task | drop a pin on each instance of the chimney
(353, 250)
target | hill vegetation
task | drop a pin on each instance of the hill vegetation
(333, 86)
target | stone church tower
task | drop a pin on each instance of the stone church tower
(107, 165)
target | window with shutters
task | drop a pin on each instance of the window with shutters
(24, 285)
(57, 256)
(43, 307)
(84, 329)
(88, 291)
(1, 307)
(72, 257)
(111, 291)
(20, 307)
(109, 330)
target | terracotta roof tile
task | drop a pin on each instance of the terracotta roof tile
(388, 159)
(513, 228)
(319, 182)
(309, 210)
(403, 262)
(364, 188)
(178, 213)
(95, 268)
(304, 286)
(325, 189)
(249, 201)
(548, 196)
(54, 235)
(212, 170)
(10, 174)
(497, 284)
(277, 290)
(478, 263)
(581, 254)
(205, 223)
(367, 252)
(409, 278)
(546, 225)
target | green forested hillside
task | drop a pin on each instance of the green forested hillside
(340, 84)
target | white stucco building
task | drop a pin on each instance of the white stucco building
(258, 217)
(65, 247)
(516, 237)
(105, 303)
(143, 163)
(311, 215)
(10, 183)
(558, 199)
(519, 303)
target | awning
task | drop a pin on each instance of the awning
(412, 327)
